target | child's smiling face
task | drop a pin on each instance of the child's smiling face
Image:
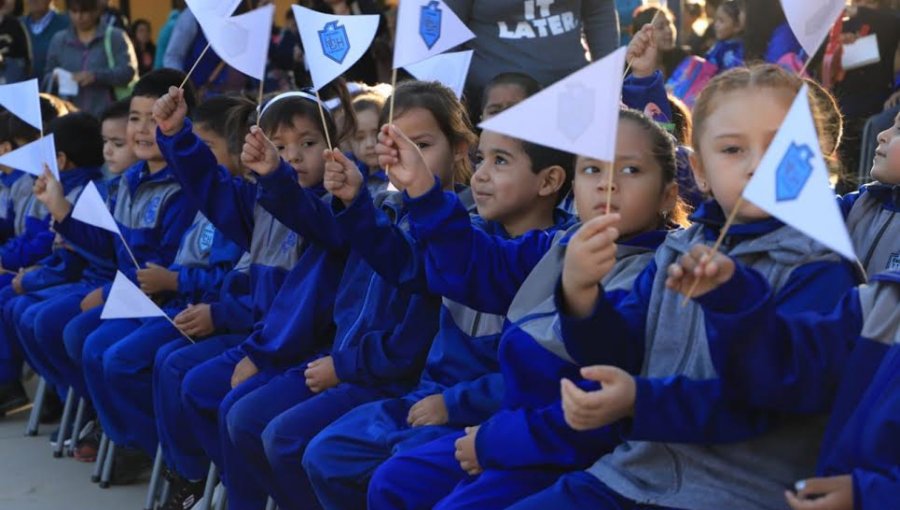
(141, 130)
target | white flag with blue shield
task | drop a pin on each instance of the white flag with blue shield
(426, 28)
(127, 301)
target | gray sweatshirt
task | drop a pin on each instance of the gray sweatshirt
(67, 52)
(541, 38)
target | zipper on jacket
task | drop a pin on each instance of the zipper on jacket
(887, 223)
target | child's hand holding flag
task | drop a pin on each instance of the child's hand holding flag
(259, 153)
(587, 410)
(590, 256)
(169, 111)
(342, 177)
(702, 269)
(49, 191)
(408, 170)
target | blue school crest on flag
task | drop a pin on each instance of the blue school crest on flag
(793, 172)
(430, 24)
(335, 43)
(205, 241)
(575, 110)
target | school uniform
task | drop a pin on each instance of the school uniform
(667, 339)
(381, 339)
(119, 379)
(873, 219)
(232, 318)
(15, 188)
(493, 275)
(461, 366)
(727, 54)
(152, 214)
(292, 285)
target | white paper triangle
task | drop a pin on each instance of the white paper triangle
(811, 20)
(332, 44)
(578, 114)
(207, 12)
(243, 41)
(31, 158)
(91, 209)
(791, 182)
(23, 100)
(451, 69)
(426, 28)
(127, 301)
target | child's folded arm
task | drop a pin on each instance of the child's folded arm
(472, 402)
(299, 209)
(227, 201)
(464, 263)
(30, 247)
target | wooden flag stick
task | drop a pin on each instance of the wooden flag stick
(128, 249)
(609, 186)
(172, 322)
(196, 63)
(324, 123)
(719, 241)
(259, 101)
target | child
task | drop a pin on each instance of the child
(669, 340)
(505, 90)
(517, 186)
(368, 107)
(521, 275)
(296, 306)
(728, 52)
(15, 186)
(117, 153)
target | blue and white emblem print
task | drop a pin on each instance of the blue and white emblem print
(430, 23)
(793, 172)
(335, 43)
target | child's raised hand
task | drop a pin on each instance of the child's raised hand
(169, 111)
(342, 177)
(259, 153)
(49, 191)
(832, 493)
(403, 159)
(590, 256)
(466, 454)
(587, 410)
(701, 269)
(642, 52)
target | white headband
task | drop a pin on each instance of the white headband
(286, 95)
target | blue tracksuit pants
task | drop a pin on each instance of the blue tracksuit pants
(11, 355)
(181, 449)
(342, 458)
(577, 491)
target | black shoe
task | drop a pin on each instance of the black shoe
(130, 465)
(52, 410)
(183, 494)
(12, 397)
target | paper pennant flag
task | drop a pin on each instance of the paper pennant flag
(791, 182)
(332, 44)
(578, 114)
(811, 20)
(31, 158)
(451, 69)
(209, 12)
(426, 28)
(23, 100)
(91, 209)
(243, 41)
(127, 301)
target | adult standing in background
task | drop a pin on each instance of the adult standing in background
(541, 38)
(165, 33)
(142, 37)
(42, 22)
(110, 16)
(15, 55)
(81, 50)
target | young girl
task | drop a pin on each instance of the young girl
(368, 107)
(293, 279)
(517, 186)
(668, 340)
(494, 275)
(383, 330)
(728, 52)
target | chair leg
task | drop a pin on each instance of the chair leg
(63, 424)
(212, 477)
(101, 458)
(76, 427)
(270, 505)
(153, 489)
(220, 498)
(34, 418)
(108, 466)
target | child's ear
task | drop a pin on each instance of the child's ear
(460, 151)
(670, 197)
(699, 173)
(552, 180)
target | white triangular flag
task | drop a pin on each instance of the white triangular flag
(450, 69)
(811, 20)
(243, 41)
(791, 182)
(91, 209)
(578, 114)
(127, 301)
(31, 158)
(426, 28)
(332, 44)
(24, 101)
(208, 12)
